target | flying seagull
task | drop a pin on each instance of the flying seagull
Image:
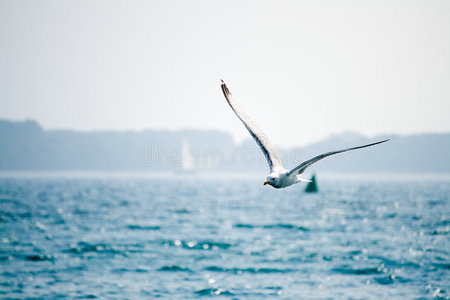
(279, 177)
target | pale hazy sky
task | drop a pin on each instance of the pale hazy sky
(302, 69)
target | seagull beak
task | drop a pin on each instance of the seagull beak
(266, 182)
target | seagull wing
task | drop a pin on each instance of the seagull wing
(261, 139)
(300, 168)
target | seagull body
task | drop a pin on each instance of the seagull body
(279, 177)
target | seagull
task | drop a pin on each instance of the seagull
(279, 177)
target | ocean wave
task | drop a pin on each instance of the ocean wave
(214, 291)
(358, 271)
(132, 270)
(186, 210)
(273, 226)
(174, 268)
(441, 231)
(143, 227)
(38, 257)
(84, 247)
(199, 245)
(390, 279)
(252, 270)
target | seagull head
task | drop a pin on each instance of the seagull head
(271, 180)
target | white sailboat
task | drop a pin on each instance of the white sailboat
(187, 161)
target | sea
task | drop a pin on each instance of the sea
(192, 236)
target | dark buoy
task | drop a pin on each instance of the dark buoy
(312, 186)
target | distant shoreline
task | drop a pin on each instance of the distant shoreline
(26, 147)
(212, 175)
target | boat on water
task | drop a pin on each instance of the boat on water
(187, 161)
(312, 186)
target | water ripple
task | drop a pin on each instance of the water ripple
(213, 291)
(174, 269)
(143, 227)
(84, 247)
(252, 270)
(199, 245)
(273, 226)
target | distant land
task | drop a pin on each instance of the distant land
(25, 146)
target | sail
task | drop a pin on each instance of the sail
(187, 162)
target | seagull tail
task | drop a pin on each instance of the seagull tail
(303, 179)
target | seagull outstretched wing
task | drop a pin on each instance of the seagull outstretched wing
(261, 139)
(300, 168)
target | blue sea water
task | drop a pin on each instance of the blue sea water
(127, 237)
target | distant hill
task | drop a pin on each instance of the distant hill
(423, 153)
(25, 146)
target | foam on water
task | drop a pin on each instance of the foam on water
(145, 237)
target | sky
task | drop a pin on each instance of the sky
(302, 69)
